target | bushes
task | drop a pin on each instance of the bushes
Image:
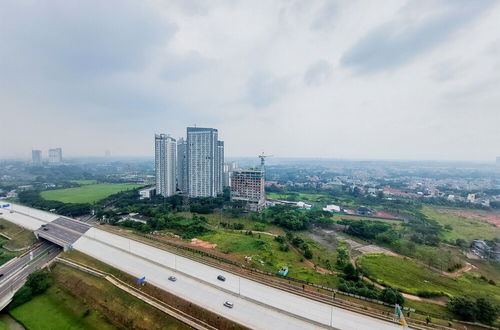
(392, 296)
(36, 283)
(481, 310)
(360, 288)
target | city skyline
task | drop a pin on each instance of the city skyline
(357, 80)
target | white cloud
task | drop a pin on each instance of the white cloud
(351, 79)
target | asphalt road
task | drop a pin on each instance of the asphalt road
(255, 305)
(16, 273)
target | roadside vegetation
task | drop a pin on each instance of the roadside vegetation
(408, 276)
(14, 240)
(72, 299)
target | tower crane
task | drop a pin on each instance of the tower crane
(263, 157)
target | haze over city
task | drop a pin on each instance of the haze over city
(402, 80)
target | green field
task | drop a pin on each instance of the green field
(55, 309)
(87, 193)
(83, 182)
(301, 197)
(267, 256)
(462, 227)
(411, 277)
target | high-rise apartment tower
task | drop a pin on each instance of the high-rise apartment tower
(205, 162)
(55, 156)
(36, 156)
(182, 178)
(165, 164)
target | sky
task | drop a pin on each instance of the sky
(415, 80)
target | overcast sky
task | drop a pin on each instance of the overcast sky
(342, 79)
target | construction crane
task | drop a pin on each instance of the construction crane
(263, 157)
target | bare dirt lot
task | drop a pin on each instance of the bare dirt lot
(490, 217)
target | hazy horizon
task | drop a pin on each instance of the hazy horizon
(388, 80)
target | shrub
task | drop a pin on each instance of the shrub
(392, 296)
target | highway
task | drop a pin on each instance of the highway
(16, 271)
(255, 305)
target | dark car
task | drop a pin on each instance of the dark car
(172, 278)
(1, 275)
(221, 278)
(45, 228)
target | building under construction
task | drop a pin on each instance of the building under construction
(248, 186)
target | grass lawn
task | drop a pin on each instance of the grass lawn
(88, 193)
(411, 277)
(56, 309)
(83, 182)
(215, 219)
(301, 197)
(20, 237)
(464, 228)
(267, 256)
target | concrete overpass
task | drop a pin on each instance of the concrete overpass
(255, 305)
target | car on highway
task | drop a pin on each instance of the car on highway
(172, 278)
(11, 211)
(221, 278)
(1, 275)
(229, 304)
(45, 228)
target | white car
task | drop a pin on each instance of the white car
(229, 304)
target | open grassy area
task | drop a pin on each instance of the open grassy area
(56, 309)
(88, 193)
(462, 227)
(412, 277)
(266, 255)
(20, 237)
(83, 182)
(301, 197)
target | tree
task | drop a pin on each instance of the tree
(308, 254)
(464, 308)
(486, 312)
(342, 256)
(392, 296)
(351, 273)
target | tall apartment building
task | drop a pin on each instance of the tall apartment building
(55, 156)
(182, 177)
(36, 156)
(205, 162)
(248, 186)
(219, 168)
(165, 164)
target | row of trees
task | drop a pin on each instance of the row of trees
(481, 309)
(32, 198)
